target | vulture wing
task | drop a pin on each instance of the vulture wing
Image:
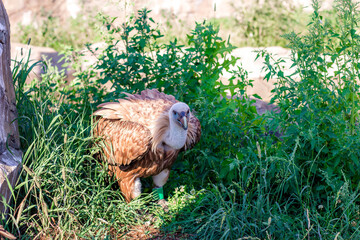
(125, 141)
(193, 134)
(151, 94)
(125, 125)
(144, 108)
(135, 122)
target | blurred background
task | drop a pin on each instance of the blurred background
(51, 27)
(68, 22)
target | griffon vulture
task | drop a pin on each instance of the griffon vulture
(143, 135)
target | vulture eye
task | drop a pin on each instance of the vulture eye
(174, 112)
(188, 112)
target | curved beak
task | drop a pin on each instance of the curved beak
(183, 121)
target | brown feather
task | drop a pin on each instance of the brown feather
(133, 130)
(121, 145)
(193, 134)
(161, 126)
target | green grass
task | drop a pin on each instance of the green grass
(240, 181)
(59, 34)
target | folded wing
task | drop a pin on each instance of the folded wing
(193, 134)
(125, 141)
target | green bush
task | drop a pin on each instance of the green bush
(320, 111)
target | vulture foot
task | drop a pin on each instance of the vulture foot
(164, 204)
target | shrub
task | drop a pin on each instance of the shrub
(320, 108)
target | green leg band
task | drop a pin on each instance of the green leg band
(159, 193)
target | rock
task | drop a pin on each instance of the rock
(10, 155)
(20, 52)
(263, 107)
(255, 70)
(10, 166)
(90, 57)
(247, 57)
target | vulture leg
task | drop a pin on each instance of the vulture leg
(130, 187)
(159, 181)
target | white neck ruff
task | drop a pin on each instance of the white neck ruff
(175, 136)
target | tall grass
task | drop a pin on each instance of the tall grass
(63, 192)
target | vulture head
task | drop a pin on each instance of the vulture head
(179, 114)
(176, 135)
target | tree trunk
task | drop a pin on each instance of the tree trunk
(10, 155)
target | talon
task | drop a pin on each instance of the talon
(164, 204)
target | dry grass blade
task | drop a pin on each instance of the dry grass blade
(6, 234)
(20, 208)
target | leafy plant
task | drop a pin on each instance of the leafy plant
(135, 61)
(321, 106)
